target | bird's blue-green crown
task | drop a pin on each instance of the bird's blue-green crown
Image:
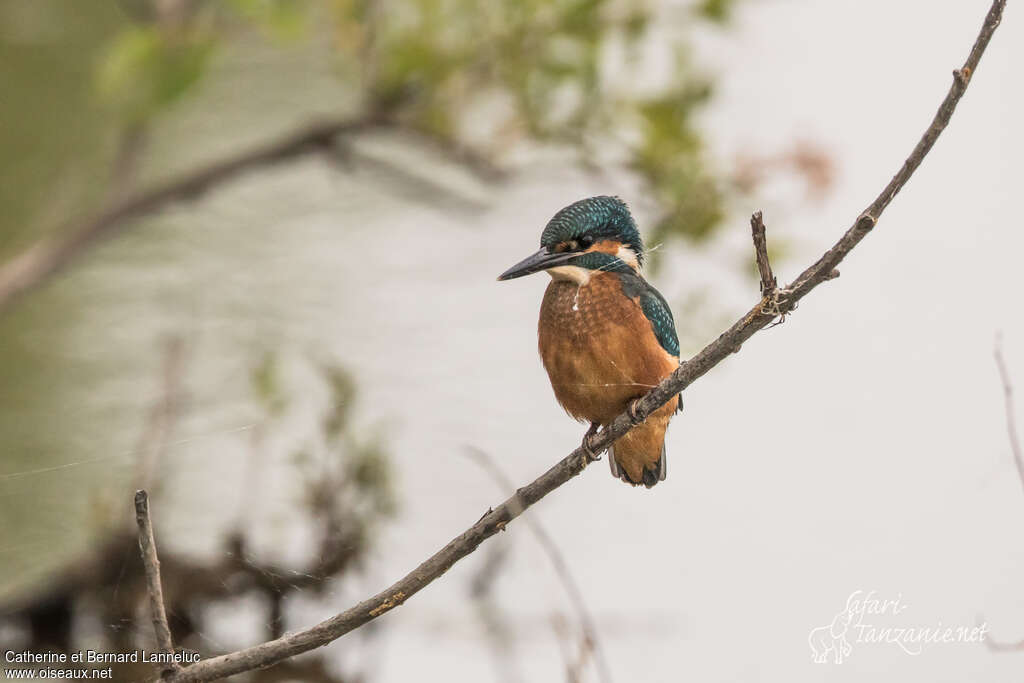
(596, 217)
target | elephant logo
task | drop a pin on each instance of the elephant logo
(831, 639)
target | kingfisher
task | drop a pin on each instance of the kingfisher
(606, 336)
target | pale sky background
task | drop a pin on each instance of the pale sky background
(859, 446)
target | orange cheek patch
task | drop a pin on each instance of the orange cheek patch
(607, 246)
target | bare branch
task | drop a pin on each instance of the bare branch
(147, 546)
(1011, 420)
(572, 587)
(268, 653)
(40, 261)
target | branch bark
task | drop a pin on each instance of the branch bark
(495, 520)
(147, 546)
(764, 267)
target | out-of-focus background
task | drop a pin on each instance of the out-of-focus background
(304, 363)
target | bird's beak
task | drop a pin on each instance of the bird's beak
(534, 263)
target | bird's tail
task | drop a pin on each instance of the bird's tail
(638, 457)
(649, 476)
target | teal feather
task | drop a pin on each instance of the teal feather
(601, 217)
(655, 309)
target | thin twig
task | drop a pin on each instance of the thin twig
(1011, 419)
(499, 634)
(147, 546)
(771, 298)
(768, 283)
(417, 186)
(573, 665)
(1018, 458)
(152, 444)
(998, 646)
(130, 150)
(572, 587)
(497, 519)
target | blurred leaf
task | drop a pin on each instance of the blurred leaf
(636, 23)
(301, 458)
(716, 10)
(346, 477)
(370, 469)
(670, 157)
(341, 397)
(435, 57)
(282, 19)
(144, 71)
(266, 385)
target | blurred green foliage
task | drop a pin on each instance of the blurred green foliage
(430, 65)
(80, 77)
(266, 386)
(716, 10)
(143, 72)
(54, 142)
(356, 468)
(432, 60)
(669, 156)
(346, 474)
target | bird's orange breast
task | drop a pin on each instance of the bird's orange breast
(598, 348)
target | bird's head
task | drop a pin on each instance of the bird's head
(594, 234)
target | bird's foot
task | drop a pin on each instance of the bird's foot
(588, 441)
(633, 410)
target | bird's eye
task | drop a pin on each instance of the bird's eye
(586, 241)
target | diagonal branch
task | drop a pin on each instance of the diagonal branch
(38, 262)
(268, 653)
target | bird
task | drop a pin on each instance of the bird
(606, 336)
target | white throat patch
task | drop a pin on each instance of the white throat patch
(628, 256)
(580, 276)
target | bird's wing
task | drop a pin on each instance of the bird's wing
(655, 309)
